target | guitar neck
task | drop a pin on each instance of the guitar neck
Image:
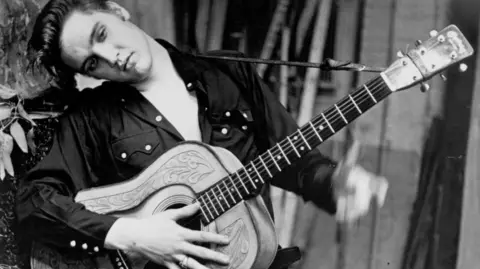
(237, 186)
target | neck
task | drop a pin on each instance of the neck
(163, 71)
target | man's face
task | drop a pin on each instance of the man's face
(104, 46)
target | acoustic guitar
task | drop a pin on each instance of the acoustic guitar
(224, 187)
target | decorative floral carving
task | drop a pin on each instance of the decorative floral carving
(238, 247)
(187, 167)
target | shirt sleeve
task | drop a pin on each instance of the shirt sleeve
(46, 210)
(310, 177)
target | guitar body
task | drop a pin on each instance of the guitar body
(175, 179)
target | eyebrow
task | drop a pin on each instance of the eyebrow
(90, 42)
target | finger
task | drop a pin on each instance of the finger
(379, 188)
(206, 237)
(348, 162)
(205, 253)
(183, 212)
(352, 154)
(190, 262)
(172, 265)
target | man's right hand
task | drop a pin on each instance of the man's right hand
(160, 239)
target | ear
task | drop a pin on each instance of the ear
(119, 10)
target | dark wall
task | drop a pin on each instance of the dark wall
(457, 104)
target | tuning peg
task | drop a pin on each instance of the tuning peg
(462, 67)
(400, 54)
(433, 33)
(424, 87)
(443, 77)
(418, 43)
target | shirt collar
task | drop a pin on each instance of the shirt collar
(187, 66)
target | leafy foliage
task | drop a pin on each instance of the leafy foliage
(17, 126)
(12, 132)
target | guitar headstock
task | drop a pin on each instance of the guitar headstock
(442, 50)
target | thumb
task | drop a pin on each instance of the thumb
(184, 212)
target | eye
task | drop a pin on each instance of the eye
(101, 34)
(92, 64)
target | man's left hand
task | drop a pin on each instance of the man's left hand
(355, 188)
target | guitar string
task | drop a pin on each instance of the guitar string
(358, 96)
(309, 133)
(337, 120)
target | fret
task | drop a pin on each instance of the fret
(349, 108)
(250, 178)
(264, 165)
(233, 198)
(235, 186)
(213, 205)
(283, 153)
(293, 146)
(208, 208)
(256, 171)
(328, 123)
(305, 140)
(223, 197)
(355, 104)
(371, 95)
(341, 114)
(243, 184)
(274, 161)
(201, 209)
(315, 130)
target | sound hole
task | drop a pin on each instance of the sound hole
(190, 223)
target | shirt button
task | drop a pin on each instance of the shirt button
(158, 118)
(148, 147)
(124, 155)
(73, 243)
(84, 246)
(189, 85)
(244, 127)
(244, 115)
(224, 131)
(96, 249)
(122, 100)
(227, 114)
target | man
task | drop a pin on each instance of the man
(155, 97)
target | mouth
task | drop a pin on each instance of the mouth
(126, 66)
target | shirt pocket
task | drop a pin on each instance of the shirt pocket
(232, 128)
(138, 150)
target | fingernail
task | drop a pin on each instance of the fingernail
(226, 239)
(226, 259)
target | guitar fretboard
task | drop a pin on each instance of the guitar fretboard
(249, 179)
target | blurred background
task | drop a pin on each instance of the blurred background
(425, 142)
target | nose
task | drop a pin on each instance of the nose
(106, 52)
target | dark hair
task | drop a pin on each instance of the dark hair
(44, 44)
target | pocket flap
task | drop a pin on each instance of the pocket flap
(144, 143)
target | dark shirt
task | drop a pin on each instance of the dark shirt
(112, 133)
